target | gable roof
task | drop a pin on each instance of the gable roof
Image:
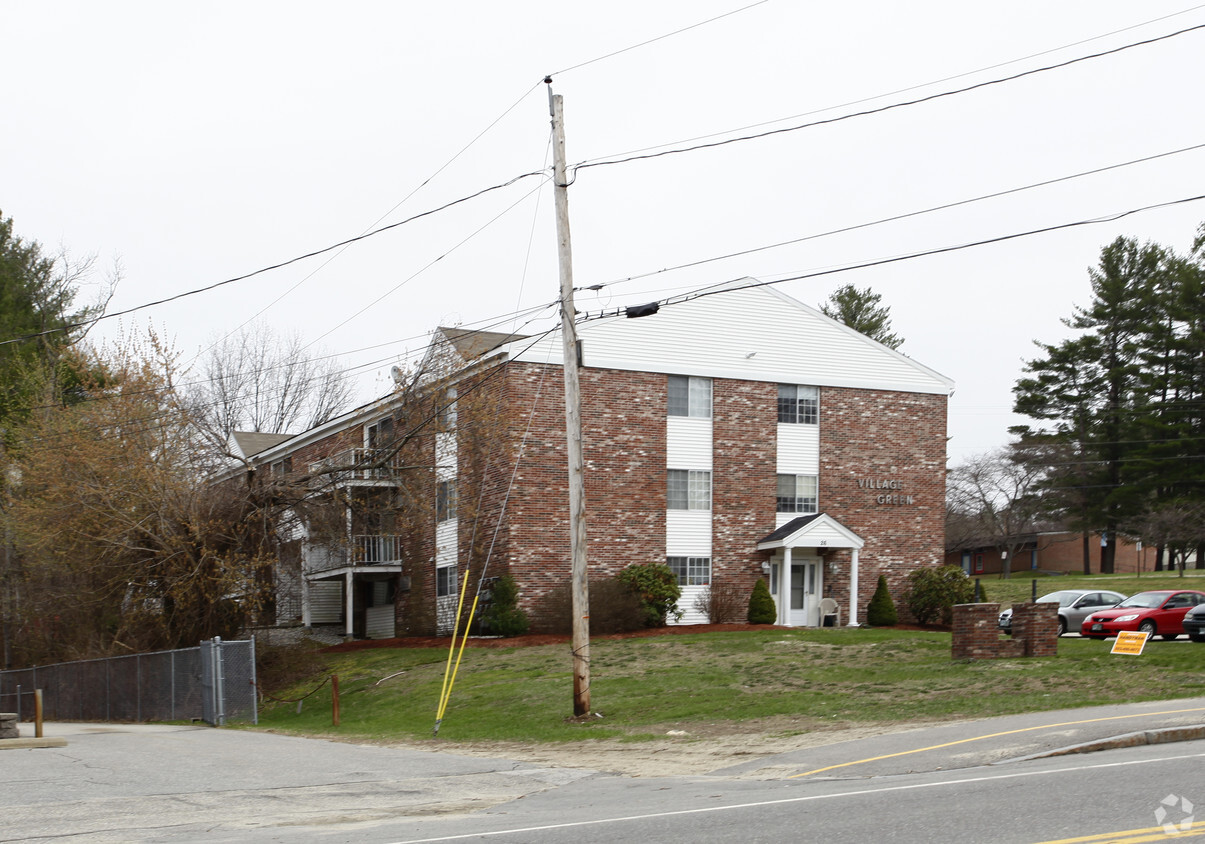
(470, 344)
(251, 443)
(816, 531)
(747, 333)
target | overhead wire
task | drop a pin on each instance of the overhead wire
(916, 87)
(607, 161)
(615, 53)
(894, 218)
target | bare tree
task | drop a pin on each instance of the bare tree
(994, 496)
(257, 380)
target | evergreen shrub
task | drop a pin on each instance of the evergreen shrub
(881, 611)
(761, 605)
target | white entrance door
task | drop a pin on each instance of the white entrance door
(804, 594)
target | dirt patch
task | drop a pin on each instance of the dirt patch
(701, 750)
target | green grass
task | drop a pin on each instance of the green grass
(784, 680)
(1018, 588)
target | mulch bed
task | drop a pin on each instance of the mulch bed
(536, 639)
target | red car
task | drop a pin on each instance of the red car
(1159, 612)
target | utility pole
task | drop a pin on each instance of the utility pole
(573, 418)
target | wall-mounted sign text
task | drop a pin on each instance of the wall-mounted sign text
(893, 498)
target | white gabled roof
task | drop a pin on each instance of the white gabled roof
(753, 334)
(816, 531)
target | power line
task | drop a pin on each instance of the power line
(277, 266)
(898, 217)
(881, 109)
(730, 285)
(658, 38)
(913, 87)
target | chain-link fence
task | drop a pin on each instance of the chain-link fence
(214, 682)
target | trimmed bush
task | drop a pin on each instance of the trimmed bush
(613, 609)
(881, 611)
(657, 586)
(932, 593)
(761, 605)
(503, 616)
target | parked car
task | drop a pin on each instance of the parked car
(1194, 623)
(1074, 607)
(1158, 612)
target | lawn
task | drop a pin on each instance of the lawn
(805, 678)
(1019, 586)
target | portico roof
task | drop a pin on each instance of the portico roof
(819, 530)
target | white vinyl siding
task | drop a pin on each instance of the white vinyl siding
(798, 450)
(688, 533)
(379, 622)
(326, 602)
(688, 442)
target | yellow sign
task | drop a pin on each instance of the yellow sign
(1129, 642)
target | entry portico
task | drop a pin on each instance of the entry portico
(796, 569)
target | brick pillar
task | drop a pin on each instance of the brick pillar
(1036, 627)
(975, 633)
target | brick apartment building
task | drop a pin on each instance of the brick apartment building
(734, 436)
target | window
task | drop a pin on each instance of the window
(445, 581)
(380, 435)
(691, 571)
(445, 501)
(282, 467)
(797, 494)
(689, 490)
(689, 396)
(798, 405)
(447, 412)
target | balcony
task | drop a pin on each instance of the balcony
(357, 465)
(371, 549)
(364, 551)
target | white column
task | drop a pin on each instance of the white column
(784, 589)
(349, 601)
(853, 589)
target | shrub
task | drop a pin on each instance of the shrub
(721, 604)
(613, 609)
(657, 586)
(503, 617)
(761, 605)
(931, 593)
(881, 611)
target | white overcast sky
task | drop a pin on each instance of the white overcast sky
(198, 142)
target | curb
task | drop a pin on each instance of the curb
(15, 743)
(1138, 739)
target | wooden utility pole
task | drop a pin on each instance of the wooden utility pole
(573, 418)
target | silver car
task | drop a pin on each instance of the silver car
(1074, 606)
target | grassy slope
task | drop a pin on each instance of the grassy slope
(1019, 586)
(791, 680)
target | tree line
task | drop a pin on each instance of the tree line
(1116, 445)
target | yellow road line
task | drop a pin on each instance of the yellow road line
(993, 735)
(1134, 836)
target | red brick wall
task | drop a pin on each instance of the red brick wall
(623, 432)
(863, 434)
(874, 435)
(744, 477)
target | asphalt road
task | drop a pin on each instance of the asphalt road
(988, 780)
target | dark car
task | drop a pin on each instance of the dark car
(1074, 606)
(1158, 612)
(1194, 623)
